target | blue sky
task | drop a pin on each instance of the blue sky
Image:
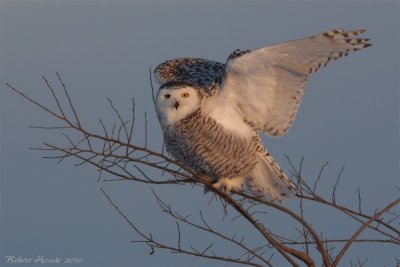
(350, 114)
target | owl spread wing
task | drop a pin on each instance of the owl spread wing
(199, 72)
(266, 85)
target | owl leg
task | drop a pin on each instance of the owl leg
(227, 184)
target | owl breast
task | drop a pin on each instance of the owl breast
(206, 147)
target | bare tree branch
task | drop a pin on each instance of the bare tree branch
(362, 228)
(113, 152)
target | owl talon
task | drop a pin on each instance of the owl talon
(222, 187)
(227, 184)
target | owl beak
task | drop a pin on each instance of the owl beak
(176, 105)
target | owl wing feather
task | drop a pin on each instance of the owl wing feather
(266, 85)
(202, 73)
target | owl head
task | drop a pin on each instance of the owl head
(176, 100)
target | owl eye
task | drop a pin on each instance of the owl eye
(166, 96)
(185, 95)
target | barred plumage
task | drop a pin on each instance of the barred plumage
(210, 112)
(206, 74)
(202, 144)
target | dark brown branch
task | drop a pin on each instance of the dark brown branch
(319, 176)
(110, 153)
(351, 214)
(297, 218)
(207, 228)
(371, 241)
(336, 184)
(152, 88)
(148, 239)
(362, 228)
(283, 250)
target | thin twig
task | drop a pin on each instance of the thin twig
(152, 88)
(362, 228)
(336, 184)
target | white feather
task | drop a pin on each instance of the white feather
(267, 84)
(228, 116)
(268, 181)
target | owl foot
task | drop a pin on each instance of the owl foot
(227, 184)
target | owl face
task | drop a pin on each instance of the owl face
(174, 104)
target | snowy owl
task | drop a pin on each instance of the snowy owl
(211, 112)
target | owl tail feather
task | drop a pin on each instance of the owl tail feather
(268, 181)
